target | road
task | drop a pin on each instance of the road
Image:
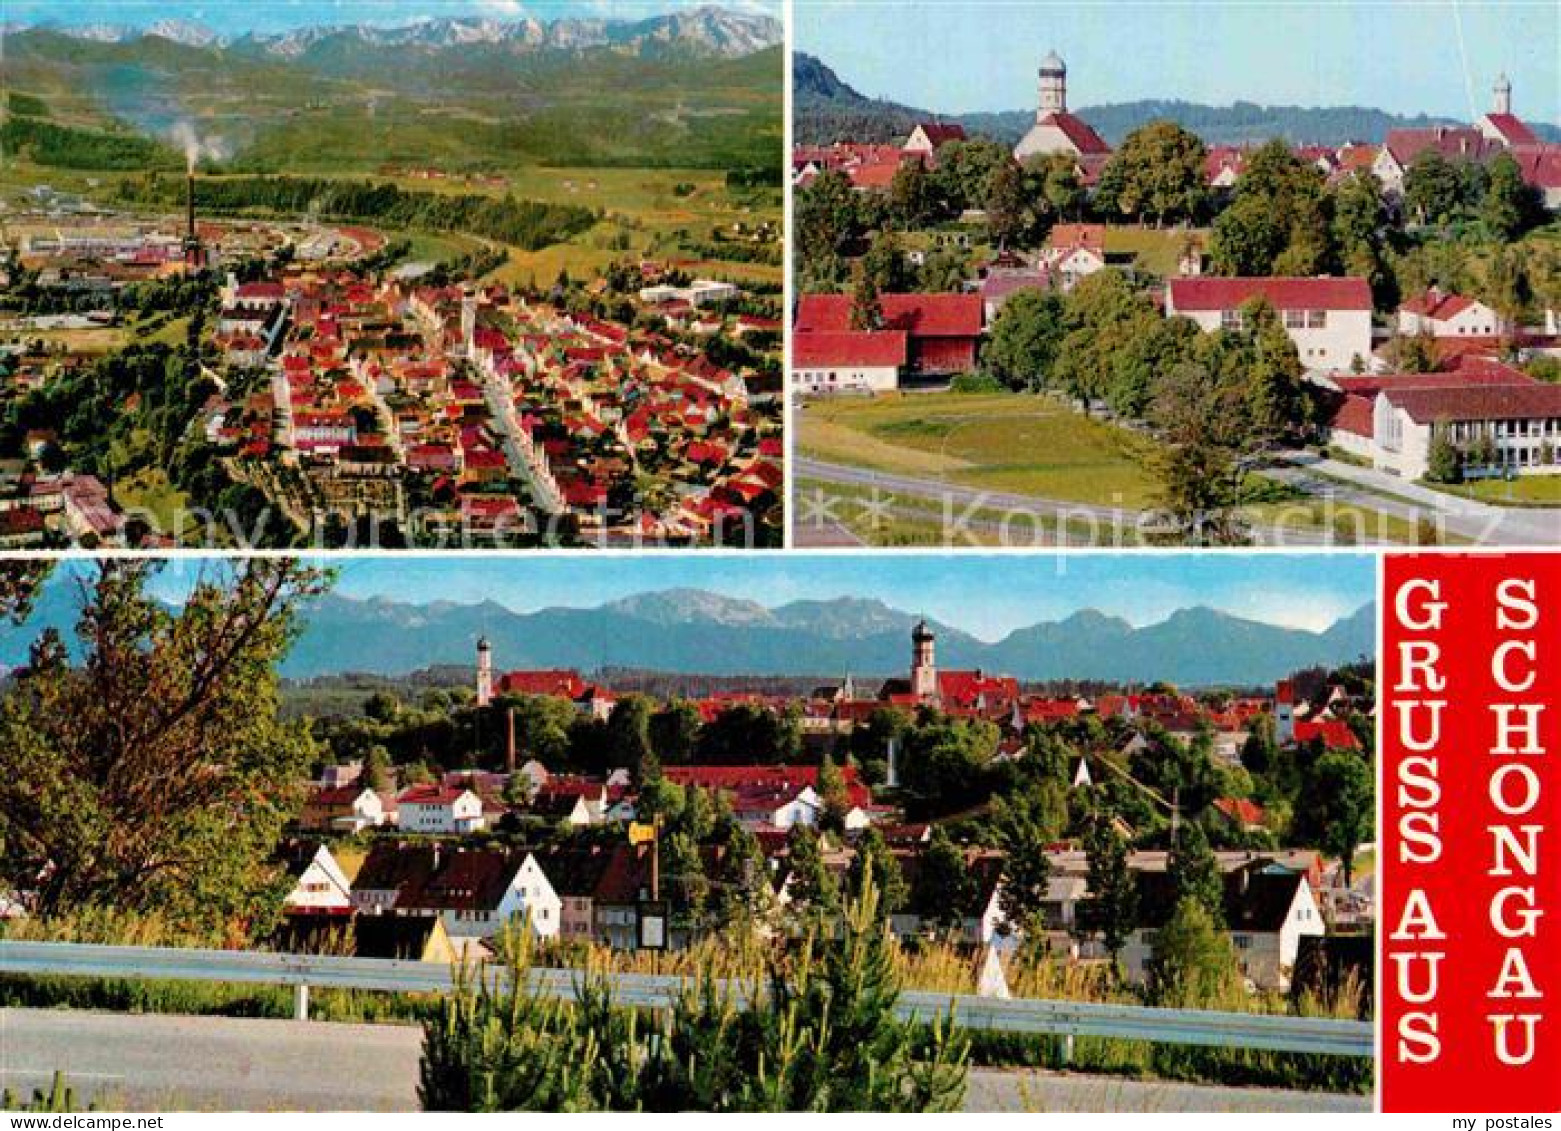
(1484, 523)
(159, 1062)
(1089, 524)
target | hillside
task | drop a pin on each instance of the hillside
(698, 88)
(691, 631)
(828, 109)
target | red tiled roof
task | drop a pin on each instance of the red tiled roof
(1438, 305)
(940, 132)
(1456, 143)
(1335, 733)
(561, 682)
(1513, 129)
(1241, 810)
(1066, 237)
(1482, 402)
(1540, 165)
(1079, 132)
(921, 316)
(1292, 293)
(1355, 416)
(882, 348)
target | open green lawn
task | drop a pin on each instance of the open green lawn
(1157, 249)
(1031, 445)
(150, 491)
(1530, 490)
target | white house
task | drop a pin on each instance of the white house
(1074, 252)
(1328, 319)
(320, 887)
(853, 362)
(1523, 421)
(1442, 315)
(439, 809)
(1267, 911)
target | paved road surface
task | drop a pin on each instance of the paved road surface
(217, 1063)
(955, 499)
(1482, 522)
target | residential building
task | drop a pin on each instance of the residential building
(441, 810)
(1439, 314)
(942, 331)
(1328, 319)
(825, 364)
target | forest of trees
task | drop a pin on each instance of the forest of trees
(527, 224)
(67, 147)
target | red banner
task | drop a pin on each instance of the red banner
(1470, 848)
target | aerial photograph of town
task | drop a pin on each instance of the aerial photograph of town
(391, 273)
(1290, 277)
(1131, 786)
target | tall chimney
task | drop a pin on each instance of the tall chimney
(189, 202)
(509, 747)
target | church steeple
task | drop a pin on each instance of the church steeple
(1054, 86)
(1503, 90)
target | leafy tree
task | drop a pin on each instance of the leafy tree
(674, 732)
(910, 195)
(963, 178)
(814, 894)
(866, 307)
(1025, 339)
(885, 264)
(1162, 175)
(375, 774)
(1511, 206)
(1195, 873)
(1060, 188)
(1433, 188)
(1336, 808)
(825, 217)
(944, 765)
(157, 774)
(20, 582)
(1277, 222)
(1207, 441)
(1111, 910)
(832, 793)
(944, 889)
(1026, 824)
(628, 735)
(1444, 462)
(874, 862)
(1193, 963)
(1006, 218)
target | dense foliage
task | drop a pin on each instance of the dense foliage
(525, 223)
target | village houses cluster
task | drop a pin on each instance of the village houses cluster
(475, 409)
(1383, 416)
(410, 855)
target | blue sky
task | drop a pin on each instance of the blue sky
(234, 17)
(988, 595)
(1405, 56)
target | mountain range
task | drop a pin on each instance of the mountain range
(708, 30)
(699, 87)
(828, 109)
(698, 632)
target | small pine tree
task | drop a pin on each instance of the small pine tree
(1195, 873)
(1193, 963)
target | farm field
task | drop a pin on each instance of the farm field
(1003, 442)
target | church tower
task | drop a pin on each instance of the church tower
(924, 666)
(1503, 104)
(484, 672)
(1054, 86)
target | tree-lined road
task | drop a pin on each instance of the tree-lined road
(152, 1061)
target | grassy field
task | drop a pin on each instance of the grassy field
(1028, 445)
(1157, 249)
(645, 213)
(150, 491)
(1526, 490)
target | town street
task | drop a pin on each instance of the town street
(151, 1061)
